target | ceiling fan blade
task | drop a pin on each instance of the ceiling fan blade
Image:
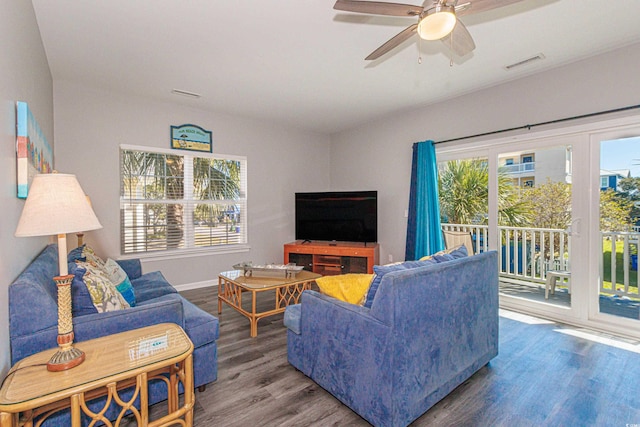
(392, 42)
(378, 8)
(478, 6)
(459, 40)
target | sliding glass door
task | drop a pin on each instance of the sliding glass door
(521, 199)
(534, 223)
(562, 208)
(615, 299)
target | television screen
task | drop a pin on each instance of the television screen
(346, 216)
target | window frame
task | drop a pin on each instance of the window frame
(604, 182)
(189, 248)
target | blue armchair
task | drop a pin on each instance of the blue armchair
(428, 329)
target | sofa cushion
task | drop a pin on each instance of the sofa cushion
(350, 288)
(81, 302)
(381, 270)
(132, 267)
(104, 295)
(151, 285)
(201, 327)
(451, 254)
(448, 254)
(459, 252)
(76, 254)
(292, 317)
(120, 279)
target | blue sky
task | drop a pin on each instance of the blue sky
(621, 154)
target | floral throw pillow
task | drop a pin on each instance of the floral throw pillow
(104, 295)
(91, 257)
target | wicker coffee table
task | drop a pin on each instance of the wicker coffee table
(287, 290)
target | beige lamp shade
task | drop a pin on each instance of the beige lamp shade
(56, 204)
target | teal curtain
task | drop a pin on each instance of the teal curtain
(424, 234)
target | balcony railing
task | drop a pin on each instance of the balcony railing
(527, 254)
(620, 248)
(519, 167)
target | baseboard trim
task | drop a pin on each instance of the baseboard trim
(197, 285)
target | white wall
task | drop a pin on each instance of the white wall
(377, 155)
(92, 123)
(24, 76)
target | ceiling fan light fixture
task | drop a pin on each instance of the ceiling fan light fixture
(437, 22)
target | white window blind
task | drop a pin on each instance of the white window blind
(173, 201)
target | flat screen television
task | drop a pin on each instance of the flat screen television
(344, 216)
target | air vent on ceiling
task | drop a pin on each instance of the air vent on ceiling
(185, 93)
(537, 57)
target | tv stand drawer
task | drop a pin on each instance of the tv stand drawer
(327, 259)
(327, 270)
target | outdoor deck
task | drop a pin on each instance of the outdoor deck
(614, 305)
(527, 255)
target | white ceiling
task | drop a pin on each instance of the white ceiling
(301, 63)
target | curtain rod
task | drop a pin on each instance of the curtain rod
(528, 127)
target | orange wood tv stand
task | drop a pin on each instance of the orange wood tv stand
(331, 258)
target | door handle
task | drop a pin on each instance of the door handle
(574, 228)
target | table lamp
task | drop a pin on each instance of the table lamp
(56, 205)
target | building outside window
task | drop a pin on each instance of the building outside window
(173, 200)
(604, 181)
(527, 160)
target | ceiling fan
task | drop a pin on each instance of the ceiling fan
(437, 20)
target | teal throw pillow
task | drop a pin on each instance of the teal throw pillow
(121, 281)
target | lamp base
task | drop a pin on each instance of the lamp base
(64, 359)
(67, 355)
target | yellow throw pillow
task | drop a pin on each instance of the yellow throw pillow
(350, 288)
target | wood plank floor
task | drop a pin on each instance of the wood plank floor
(545, 375)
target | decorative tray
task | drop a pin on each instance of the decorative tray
(278, 270)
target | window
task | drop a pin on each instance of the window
(604, 181)
(175, 201)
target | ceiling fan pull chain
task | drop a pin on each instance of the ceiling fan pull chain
(419, 50)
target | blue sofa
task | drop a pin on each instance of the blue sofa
(429, 329)
(33, 317)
